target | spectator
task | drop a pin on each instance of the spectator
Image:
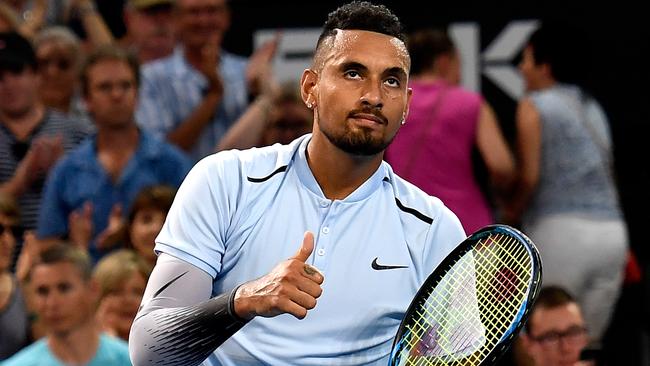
(122, 277)
(444, 125)
(147, 217)
(193, 96)
(555, 334)
(14, 319)
(64, 297)
(59, 57)
(32, 137)
(150, 29)
(278, 117)
(89, 188)
(566, 196)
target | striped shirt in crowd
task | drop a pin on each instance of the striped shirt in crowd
(12, 151)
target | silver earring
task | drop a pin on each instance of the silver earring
(403, 121)
(309, 105)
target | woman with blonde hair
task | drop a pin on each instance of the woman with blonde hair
(121, 277)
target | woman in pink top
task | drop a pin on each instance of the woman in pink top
(433, 150)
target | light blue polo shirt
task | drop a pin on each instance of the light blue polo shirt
(239, 213)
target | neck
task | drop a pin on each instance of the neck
(338, 173)
(118, 140)
(22, 124)
(60, 104)
(194, 56)
(77, 346)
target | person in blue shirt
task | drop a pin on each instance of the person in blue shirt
(307, 253)
(196, 94)
(64, 299)
(97, 182)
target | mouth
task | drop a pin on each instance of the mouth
(369, 119)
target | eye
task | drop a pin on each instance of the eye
(352, 74)
(393, 82)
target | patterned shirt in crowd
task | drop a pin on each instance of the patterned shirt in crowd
(13, 150)
(80, 178)
(172, 89)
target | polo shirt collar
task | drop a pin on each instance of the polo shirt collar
(307, 178)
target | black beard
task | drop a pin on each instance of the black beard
(358, 143)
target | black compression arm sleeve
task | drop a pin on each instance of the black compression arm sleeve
(183, 335)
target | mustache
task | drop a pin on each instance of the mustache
(369, 111)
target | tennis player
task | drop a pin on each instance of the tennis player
(307, 253)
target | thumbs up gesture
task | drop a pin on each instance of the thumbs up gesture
(291, 287)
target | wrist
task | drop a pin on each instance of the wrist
(237, 305)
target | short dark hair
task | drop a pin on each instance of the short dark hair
(362, 15)
(425, 46)
(564, 49)
(66, 253)
(159, 197)
(550, 297)
(109, 52)
(16, 52)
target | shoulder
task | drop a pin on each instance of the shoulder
(28, 356)
(113, 351)
(413, 201)
(252, 164)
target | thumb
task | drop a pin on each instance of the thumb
(306, 248)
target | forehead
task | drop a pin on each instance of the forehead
(372, 49)
(54, 46)
(44, 274)
(557, 318)
(199, 3)
(118, 69)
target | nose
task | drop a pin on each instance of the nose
(372, 94)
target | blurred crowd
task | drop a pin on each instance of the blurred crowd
(97, 133)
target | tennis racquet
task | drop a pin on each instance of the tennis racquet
(470, 308)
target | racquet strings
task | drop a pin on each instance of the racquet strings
(472, 307)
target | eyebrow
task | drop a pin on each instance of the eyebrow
(393, 71)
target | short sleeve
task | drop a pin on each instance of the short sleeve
(197, 223)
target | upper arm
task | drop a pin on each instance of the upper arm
(493, 147)
(175, 283)
(529, 142)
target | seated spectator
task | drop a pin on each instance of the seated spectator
(278, 116)
(91, 186)
(14, 319)
(32, 137)
(64, 297)
(555, 334)
(122, 277)
(58, 52)
(149, 29)
(146, 218)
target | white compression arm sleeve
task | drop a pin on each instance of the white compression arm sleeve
(178, 323)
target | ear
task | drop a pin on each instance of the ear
(409, 94)
(309, 88)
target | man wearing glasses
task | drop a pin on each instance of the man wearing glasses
(555, 333)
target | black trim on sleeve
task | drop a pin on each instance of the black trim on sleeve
(260, 180)
(414, 212)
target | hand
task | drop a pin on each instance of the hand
(291, 287)
(28, 255)
(114, 232)
(107, 315)
(48, 149)
(209, 64)
(259, 70)
(80, 226)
